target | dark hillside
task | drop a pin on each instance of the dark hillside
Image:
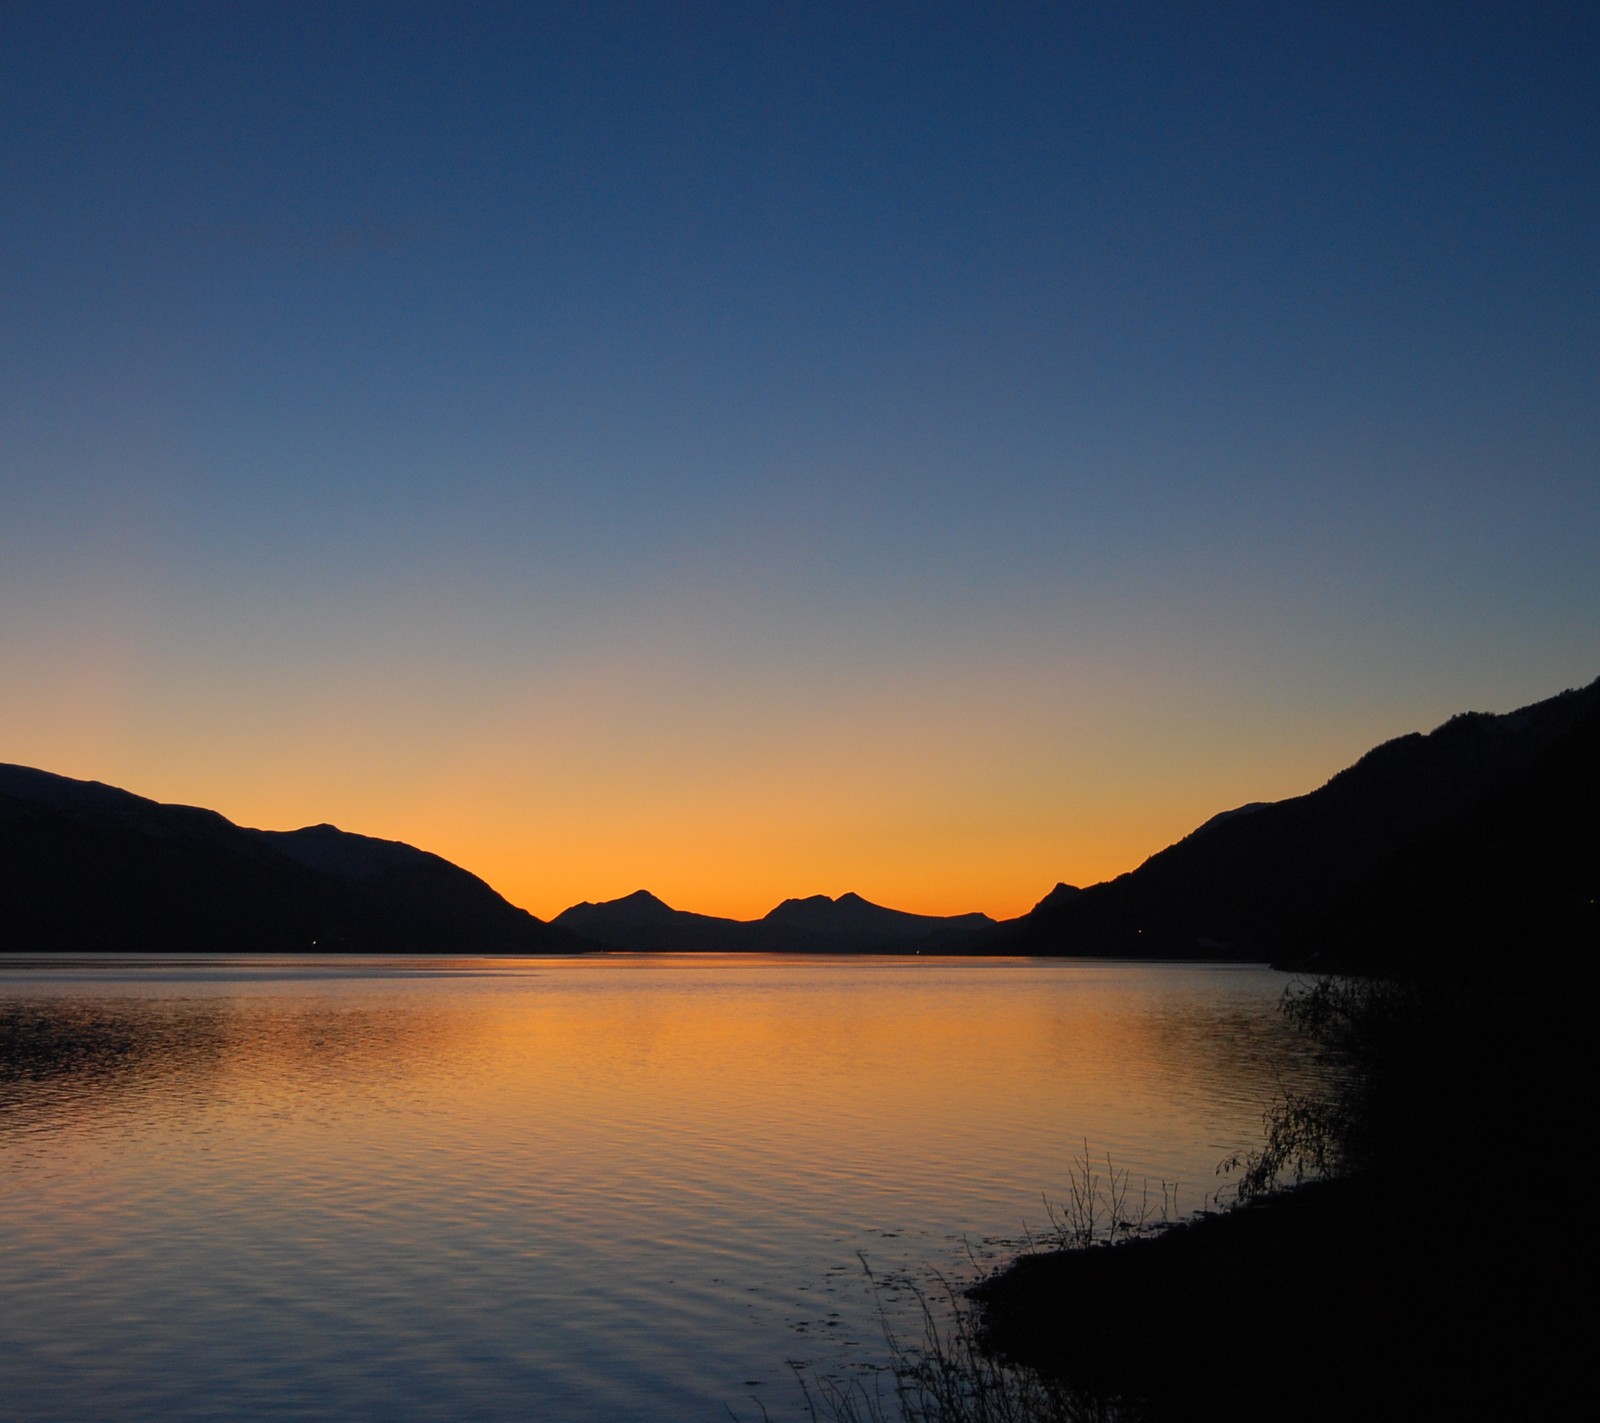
(89, 868)
(1512, 880)
(1263, 882)
(817, 924)
(1422, 1279)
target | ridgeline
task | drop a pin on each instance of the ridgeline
(1460, 843)
(1454, 882)
(87, 868)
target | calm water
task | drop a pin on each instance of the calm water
(629, 1187)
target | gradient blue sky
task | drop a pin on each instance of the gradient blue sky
(932, 450)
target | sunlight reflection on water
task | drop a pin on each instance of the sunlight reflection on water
(619, 1187)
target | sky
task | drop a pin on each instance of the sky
(743, 450)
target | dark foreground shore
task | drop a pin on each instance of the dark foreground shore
(1339, 1300)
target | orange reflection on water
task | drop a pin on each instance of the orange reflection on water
(765, 1073)
(587, 1170)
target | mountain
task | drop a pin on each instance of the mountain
(1513, 878)
(1477, 831)
(642, 922)
(818, 924)
(851, 924)
(84, 866)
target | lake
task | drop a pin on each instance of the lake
(620, 1187)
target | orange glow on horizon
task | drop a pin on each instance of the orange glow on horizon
(736, 858)
(936, 789)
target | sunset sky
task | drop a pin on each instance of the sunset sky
(746, 450)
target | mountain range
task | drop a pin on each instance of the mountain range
(818, 924)
(1465, 841)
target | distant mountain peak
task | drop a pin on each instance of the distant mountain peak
(817, 922)
(848, 902)
(809, 907)
(1061, 894)
(334, 851)
(640, 907)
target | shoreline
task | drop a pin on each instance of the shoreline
(1339, 1299)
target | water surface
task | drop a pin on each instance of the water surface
(577, 1189)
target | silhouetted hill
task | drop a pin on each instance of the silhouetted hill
(818, 924)
(643, 923)
(1379, 1294)
(1487, 821)
(1515, 872)
(851, 924)
(87, 867)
